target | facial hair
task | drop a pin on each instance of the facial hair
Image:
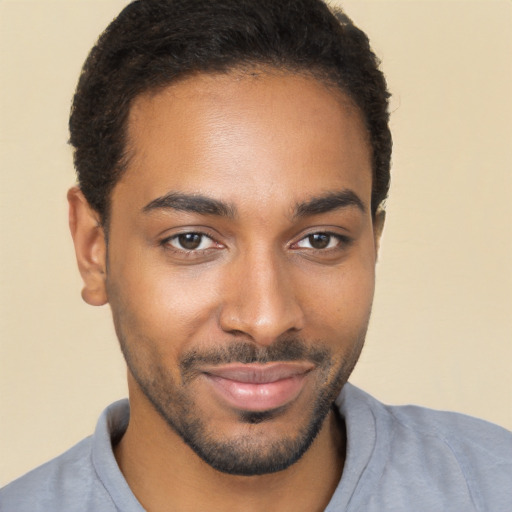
(248, 454)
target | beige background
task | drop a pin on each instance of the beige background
(441, 330)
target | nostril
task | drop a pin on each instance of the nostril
(261, 302)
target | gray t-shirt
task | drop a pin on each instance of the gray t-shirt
(405, 458)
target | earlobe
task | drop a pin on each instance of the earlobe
(90, 247)
(378, 228)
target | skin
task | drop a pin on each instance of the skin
(259, 144)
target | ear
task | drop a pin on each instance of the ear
(378, 228)
(90, 247)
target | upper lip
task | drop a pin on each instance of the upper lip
(255, 373)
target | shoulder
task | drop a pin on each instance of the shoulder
(480, 451)
(450, 453)
(77, 480)
(452, 429)
(474, 443)
(56, 485)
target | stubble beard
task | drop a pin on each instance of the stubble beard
(248, 454)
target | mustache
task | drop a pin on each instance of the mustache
(245, 352)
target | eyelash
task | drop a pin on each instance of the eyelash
(343, 241)
(166, 242)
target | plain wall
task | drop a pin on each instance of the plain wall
(441, 330)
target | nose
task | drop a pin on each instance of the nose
(260, 299)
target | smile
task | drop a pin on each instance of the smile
(256, 387)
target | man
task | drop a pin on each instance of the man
(233, 158)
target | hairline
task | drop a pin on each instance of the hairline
(244, 69)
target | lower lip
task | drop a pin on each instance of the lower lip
(257, 397)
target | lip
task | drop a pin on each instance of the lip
(257, 387)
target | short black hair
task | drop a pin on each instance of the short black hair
(153, 43)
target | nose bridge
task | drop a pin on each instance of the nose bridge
(263, 304)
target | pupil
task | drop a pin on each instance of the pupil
(190, 241)
(319, 240)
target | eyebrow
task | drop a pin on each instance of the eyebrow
(329, 202)
(195, 203)
(203, 205)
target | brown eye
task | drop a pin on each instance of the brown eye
(190, 241)
(319, 240)
(323, 240)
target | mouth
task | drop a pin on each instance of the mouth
(258, 387)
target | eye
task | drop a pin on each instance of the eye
(321, 241)
(190, 242)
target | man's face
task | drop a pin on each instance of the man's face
(241, 261)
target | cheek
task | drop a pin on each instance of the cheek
(175, 309)
(338, 302)
(166, 306)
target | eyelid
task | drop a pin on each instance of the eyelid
(165, 241)
(343, 241)
(331, 237)
(342, 238)
(203, 238)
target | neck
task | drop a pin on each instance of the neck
(165, 474)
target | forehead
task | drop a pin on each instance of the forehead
(236, 136)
